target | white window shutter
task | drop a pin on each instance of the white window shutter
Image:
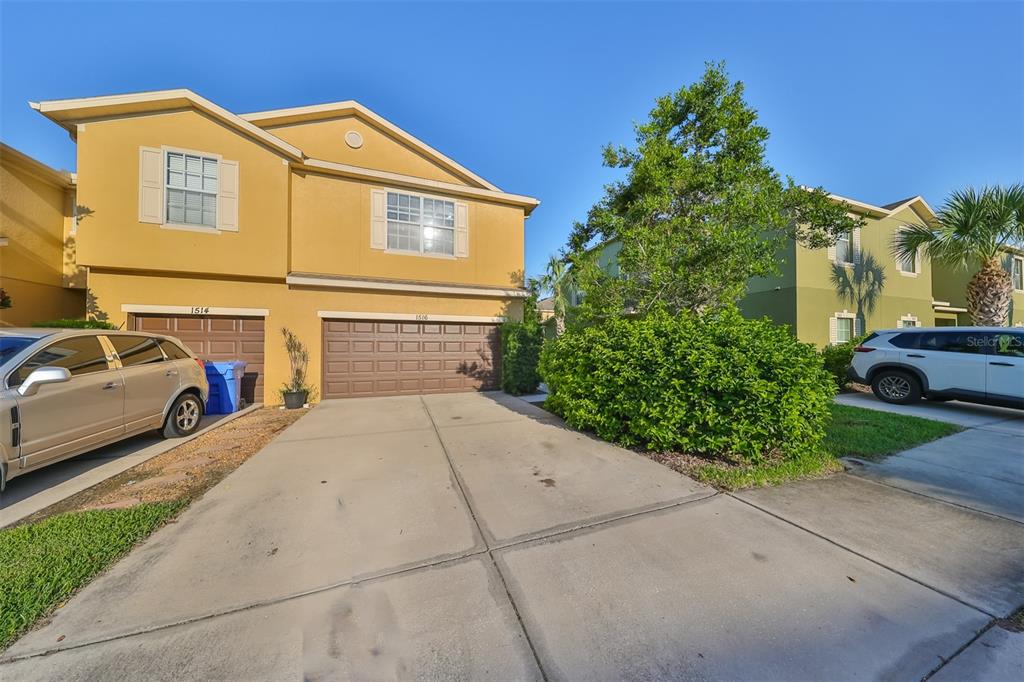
(378, 219)
(151, 185)
(833, 331)
(858, 326)
(227, 196)
(856, 245)
(461, 230)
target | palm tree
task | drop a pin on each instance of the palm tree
(861, 285)
(973, 227)
(558, 279)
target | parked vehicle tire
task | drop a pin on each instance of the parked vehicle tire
(183, 419)
(896, 386)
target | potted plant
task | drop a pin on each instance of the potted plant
(296, 392)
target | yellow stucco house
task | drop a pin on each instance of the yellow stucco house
(389, 260)
(37, 242)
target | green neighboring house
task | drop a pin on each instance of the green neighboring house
(831, 295)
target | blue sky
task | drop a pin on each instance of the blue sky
(876, 101)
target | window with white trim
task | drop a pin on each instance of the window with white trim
(420, 224)
(908, 321)
(191, 190)
(1017, 273)
(844, 329)
(907, 264)
(844, 247)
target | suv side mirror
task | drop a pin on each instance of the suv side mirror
(41, 376)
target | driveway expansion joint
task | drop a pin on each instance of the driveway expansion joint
(497, 569)
(864, 556)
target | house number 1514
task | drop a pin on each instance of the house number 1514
(201, 310)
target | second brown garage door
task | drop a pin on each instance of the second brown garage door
(213, 338)
(368, 358)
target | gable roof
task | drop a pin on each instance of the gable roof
(319, 112)
(888, 209)
(68, 112)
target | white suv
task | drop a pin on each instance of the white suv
(975, 364)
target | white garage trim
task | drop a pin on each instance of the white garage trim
(406, 317)
(346, 283)
(194, 310)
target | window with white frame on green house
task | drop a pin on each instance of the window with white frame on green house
(1017, 273)
(844, 248)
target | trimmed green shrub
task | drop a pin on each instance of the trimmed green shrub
(718, 385)
(75, 324)
(836, 359)
(520, 352)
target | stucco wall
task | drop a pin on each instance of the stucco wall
(325, 140)
(34, 218)
(108, 187)
(331, 235)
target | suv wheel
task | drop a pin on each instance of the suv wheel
(896, 386)
(183, 419)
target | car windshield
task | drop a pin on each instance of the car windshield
(12, 345)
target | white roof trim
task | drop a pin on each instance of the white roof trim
(191, 310)
(389, 178)
(406, 317)
(315, 111)
(948, 309)
(413, 287)
(52, 108)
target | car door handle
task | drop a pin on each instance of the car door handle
(109, 385)
(172, 373)
(915, 355)
(1002, 364)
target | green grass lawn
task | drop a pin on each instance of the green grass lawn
(870, 434)
(854, 432)
(42, 564)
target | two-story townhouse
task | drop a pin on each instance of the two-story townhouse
(832, 295)
(389, 260)
(37, 242)
(950, 288)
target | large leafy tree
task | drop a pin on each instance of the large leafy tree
(973, 227)
(700, 210)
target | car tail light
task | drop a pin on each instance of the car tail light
(863, 349)
(201, 364)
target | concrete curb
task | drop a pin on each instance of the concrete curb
(98, 474)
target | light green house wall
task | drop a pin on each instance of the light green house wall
(950, 286)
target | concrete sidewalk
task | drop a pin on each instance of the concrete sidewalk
(474, 536)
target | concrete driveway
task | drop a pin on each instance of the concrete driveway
(472, 536)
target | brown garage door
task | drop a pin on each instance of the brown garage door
(213, 338)
(398, 358)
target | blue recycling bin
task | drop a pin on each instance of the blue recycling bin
(225, 379)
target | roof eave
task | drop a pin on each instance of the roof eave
(69, 112)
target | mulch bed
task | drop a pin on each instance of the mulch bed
(184, 472)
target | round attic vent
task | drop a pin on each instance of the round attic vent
(353, 139)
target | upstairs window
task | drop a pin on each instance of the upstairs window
(907, 264)
(191, 190)
(1017, 273)
(844, 248)
(420, 224)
